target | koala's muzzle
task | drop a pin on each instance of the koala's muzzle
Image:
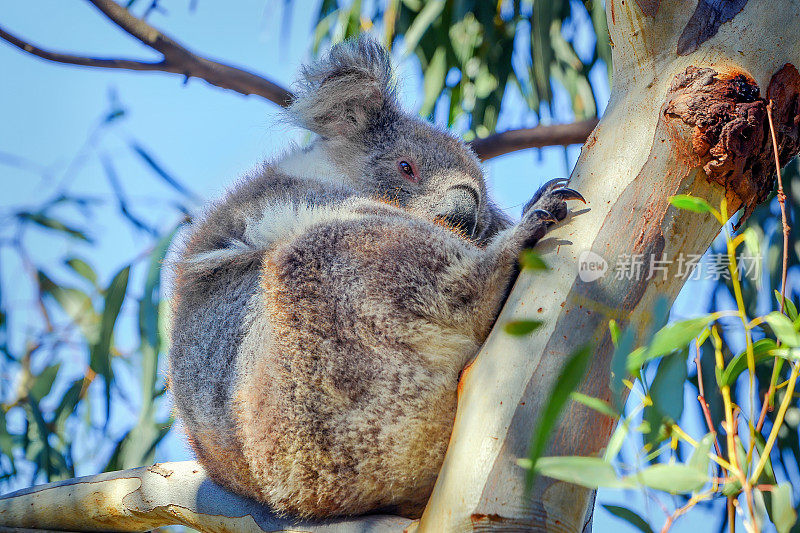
(459, 209)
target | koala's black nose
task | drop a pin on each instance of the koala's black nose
(460, 208)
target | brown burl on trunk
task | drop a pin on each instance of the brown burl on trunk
(731, 132)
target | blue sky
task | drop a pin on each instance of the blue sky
(204, 136)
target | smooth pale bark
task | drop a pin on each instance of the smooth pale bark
(142, 499)
(645, 149)
(637, 157)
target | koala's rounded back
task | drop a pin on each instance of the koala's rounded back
(324, 309)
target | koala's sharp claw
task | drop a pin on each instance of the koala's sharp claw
(545, 215)
(554, 182)
(569, 194)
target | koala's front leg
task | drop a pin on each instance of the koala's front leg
(547, 207)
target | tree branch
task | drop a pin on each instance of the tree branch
(177, 59)
(128, 64)
(142, 499)
(538, 137)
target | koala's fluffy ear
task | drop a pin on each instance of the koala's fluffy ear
(343, 92)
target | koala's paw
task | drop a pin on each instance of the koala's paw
(548, 206)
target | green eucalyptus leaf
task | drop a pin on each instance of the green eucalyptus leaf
(613, 329)
(763, 350)
(568, 380)
(672, 478)
(591, 472)
(616, 441)
(434, 81)
(666, 392)
(700, 459)
(75, 303)
(672, 337)
(44, 382)
(100, 352)
(424, 19)
(530, 260)
(783, 328)
(597, 404)
(691, 203)
(67, 404)
(788, 306)
(619, 369)
(83, 269)
(520, 328)
(782, 511)
(629, 516)
(51, 223)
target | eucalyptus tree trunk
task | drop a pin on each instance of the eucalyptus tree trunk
(687, 115)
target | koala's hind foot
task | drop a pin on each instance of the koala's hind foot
(548, 206)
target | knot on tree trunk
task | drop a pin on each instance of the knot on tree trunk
(731, 132)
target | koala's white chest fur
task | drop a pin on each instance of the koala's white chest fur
(310, 163)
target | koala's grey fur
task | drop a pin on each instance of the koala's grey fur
(324, 309)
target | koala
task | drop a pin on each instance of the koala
(324, 309)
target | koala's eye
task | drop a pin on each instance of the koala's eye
(408, 170)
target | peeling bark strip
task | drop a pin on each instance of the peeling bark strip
(731, 133)
(705, 22)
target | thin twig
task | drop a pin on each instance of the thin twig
(703, 403)
(682, 510)
(731, 515)
(782, 202)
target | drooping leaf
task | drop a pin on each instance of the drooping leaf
(422, 22)
(67, 404)
(75, 303)
(568, 380)
(767, 474)
(629, 516)
(674, 478)
(100, 352)
(6, 440)
(666, 392)
(619, 368)
(616, 441)
(590, 472)
(51, 223)
(159, 170)
(614, 331)
(434, 81)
